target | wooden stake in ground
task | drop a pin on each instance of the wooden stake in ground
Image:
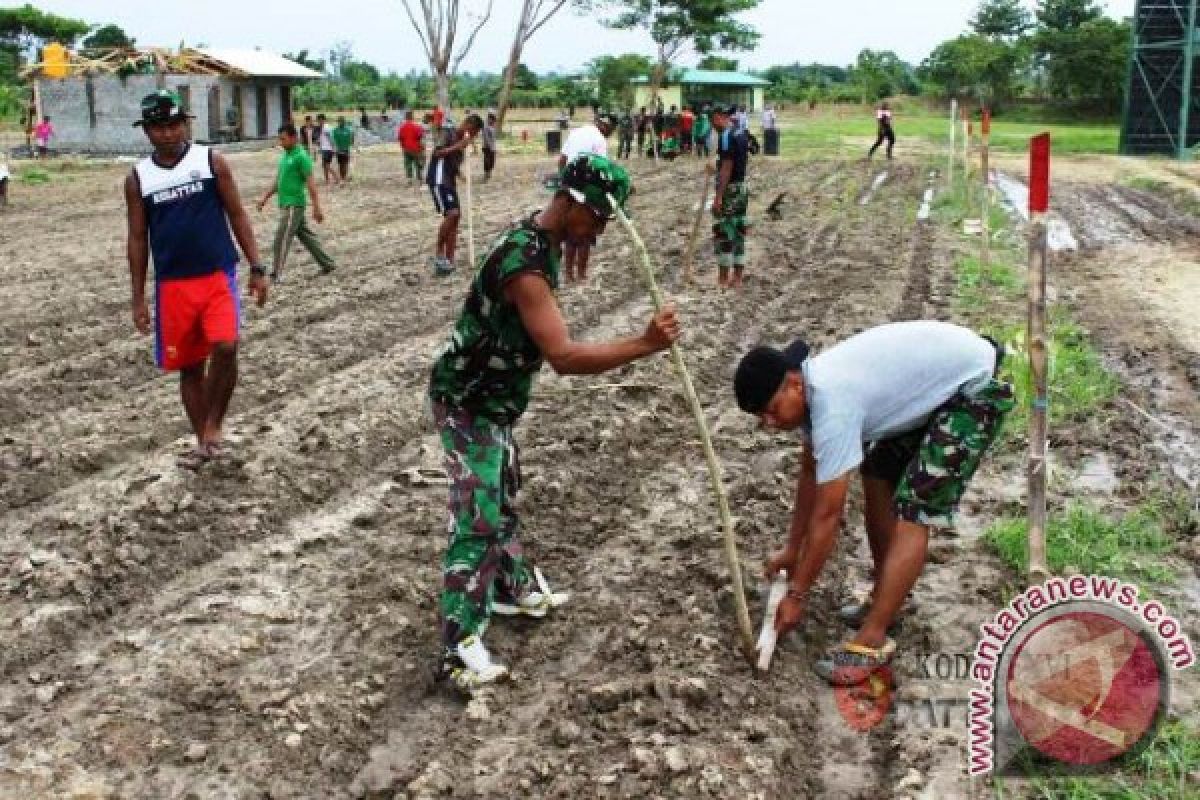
(689, 253)
(985, 241)
(1039, 203)
(745, 630)
(470, 214)
(953, 149)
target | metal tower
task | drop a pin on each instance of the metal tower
(1164, 80)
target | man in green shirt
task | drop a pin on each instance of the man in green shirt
(295, 176)
(701, 129)
(479, 388)
(343, 140)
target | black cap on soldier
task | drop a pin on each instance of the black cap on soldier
(761, 372)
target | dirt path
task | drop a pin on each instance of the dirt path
(267, 628)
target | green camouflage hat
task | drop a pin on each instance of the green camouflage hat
(590, 179)
(161, 106)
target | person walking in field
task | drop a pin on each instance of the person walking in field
(489, 147)
(307, 136)
(883, 120)
(701, 131)
(731, 199)
(343, 141)
(4, 184)
(325, 145)
(442, 179)
(411, 135)
(687, 121)
(641, 122)
(625, 136)
(180, 205)
(294, 178)
(585, 140)
(913, 407)
(479, 388)
(43, 132)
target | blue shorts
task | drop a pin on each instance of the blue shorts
(445, 199)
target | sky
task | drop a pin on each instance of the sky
(380, 33)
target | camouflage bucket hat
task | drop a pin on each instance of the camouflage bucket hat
(590, 179)
(161, 106)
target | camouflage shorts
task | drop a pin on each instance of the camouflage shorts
(729, 231)
(484, 552)
(931, 467)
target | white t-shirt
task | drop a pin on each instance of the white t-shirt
(585, 139)
(768, 119)
(325, 140)
(886, 381)
(3, 172)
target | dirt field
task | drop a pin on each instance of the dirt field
(265, 628)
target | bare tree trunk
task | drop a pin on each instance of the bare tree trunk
(441, 80)
(534, 14)
(438, 29)
(510, 79)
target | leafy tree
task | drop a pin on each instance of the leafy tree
(881, 73)
(24, 29)
(719, 63)
(614, 77)
(107, 37)
(525, 78)
(1066, 15)
(705, 25)
(360, 73)
(1088, 64)
(302, 58)
(395, 91)
(975, 66)
(1005, 19)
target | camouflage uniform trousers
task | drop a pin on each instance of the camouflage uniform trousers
(729, 231)
(484, 553)
(943, 456)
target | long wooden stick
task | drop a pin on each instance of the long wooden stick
(470, 216)
(689, 253)
(745, 630)
(1038, 570)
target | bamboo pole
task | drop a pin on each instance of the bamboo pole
(745, 629)
(689, 254)
(953, 147)
(985, 241)
(1038, 570)
(470, 214)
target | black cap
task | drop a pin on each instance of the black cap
(161, 106)
(726, 110)
(761, 372)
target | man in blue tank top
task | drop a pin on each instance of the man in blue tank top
(181, 203)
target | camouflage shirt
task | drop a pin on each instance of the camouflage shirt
(487, 366)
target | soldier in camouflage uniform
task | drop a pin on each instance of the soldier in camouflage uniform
(732, 199)
(912, 406)
(480, 386)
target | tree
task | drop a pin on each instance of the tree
(340, 54)
(525, 78)
(880, 74)
(1005, 19)
(706, 25)
(438, 31)
(360, 73)
(24, 29)
(719, 63)
(614, 77)
(534, 14)
(975, 66)
(1088, 64)
(301, 57)
(1066, 15)
(107, 38)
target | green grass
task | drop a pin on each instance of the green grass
(842, 127)
(1081, 537)
(34, 176)
(977, 285)
(1182, 199)
(1166, 770)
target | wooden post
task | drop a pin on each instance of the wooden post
(470, 213)
(689, 254)
(953, 148)
(1039, 203)
(745, 629)
(966, 155)
(985, 241)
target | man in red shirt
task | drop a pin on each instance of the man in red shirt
(439, 117)
(686, 120)
(410, 136)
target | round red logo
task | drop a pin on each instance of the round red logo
(1085, 687)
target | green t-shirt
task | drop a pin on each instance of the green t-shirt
(343, 137)
(487, 366)
(701, 127)
(294, 169)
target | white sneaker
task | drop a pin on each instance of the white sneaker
(469, 665)
(534, 603)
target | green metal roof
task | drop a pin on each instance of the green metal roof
(709, 77)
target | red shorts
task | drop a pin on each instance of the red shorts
(191, 314)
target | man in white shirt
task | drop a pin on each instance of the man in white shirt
(592, 139)
(913, 406)
(3, 184)
(769, 122)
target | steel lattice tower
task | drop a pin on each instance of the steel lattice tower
(1164, 80)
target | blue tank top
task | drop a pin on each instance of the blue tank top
(189, 232)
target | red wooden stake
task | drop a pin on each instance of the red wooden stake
(1039, 173)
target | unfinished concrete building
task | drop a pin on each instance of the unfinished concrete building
(234, 95)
